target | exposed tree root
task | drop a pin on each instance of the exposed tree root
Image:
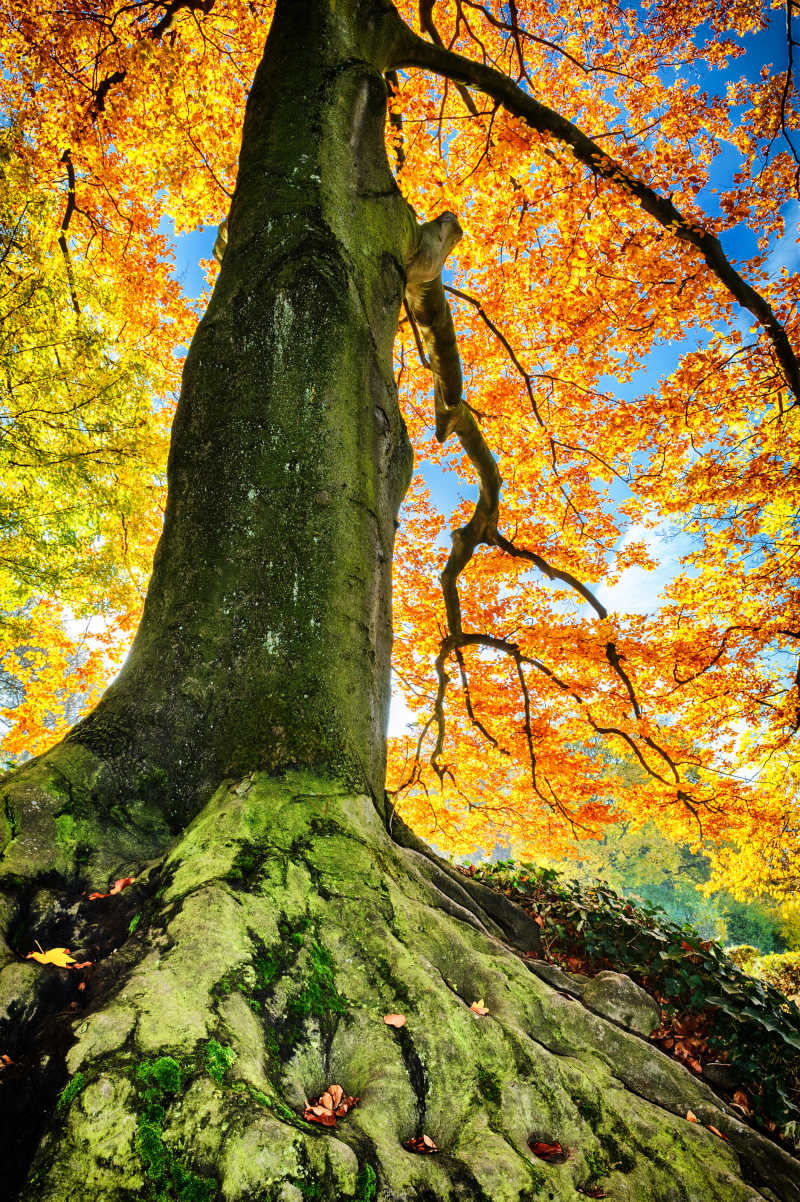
(269, 944)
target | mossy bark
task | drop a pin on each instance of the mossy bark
(276, 923)
(266, 635)
(287, 923)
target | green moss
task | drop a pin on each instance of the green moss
(219, 1058)
(168, 1179)
(163, 1073)
(320, 997)
(366, 1184)
(247, 862)
(597, 1162)
(266, 968)
(65, 830)
(489, 1086)
(279, 1109)
(134, 922)
(589, 1109)
(70, 1091)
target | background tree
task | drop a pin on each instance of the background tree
(246, 730)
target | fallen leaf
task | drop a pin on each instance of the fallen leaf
(117, 887)
(479, 1008)
(318, 1114)
(4, 1060)
(394, 1020)
(539, 920)
(717, 1132)
(81, 986)
(332, 1104)
(691, 1117)
(552, 1153)
(593, 1191)
(740, 1099)
(423, 1145)
(56, 955)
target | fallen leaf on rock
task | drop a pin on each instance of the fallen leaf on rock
(691, 1117)
(394, 1020)
(740, 1099)
(717, 1132)
(117, 887)
(319, 1114)
(479, 1008)
(55, 955)
(593, 1191)
(552, 1153)
(332, 1104)
(421, 1144)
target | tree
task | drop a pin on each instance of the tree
(236, 764)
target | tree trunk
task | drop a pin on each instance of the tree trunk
(251, 963)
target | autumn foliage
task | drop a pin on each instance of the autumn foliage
(626, 393)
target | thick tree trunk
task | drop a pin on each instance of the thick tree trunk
(251, 964)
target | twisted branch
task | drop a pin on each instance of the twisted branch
(430, 313)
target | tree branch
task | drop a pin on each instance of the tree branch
(414, 51)
(62, 237)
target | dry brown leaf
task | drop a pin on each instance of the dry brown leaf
(332, 1104)
(716, 1132)
(394, 1020)
(319, 1114)
(740, 1099)
(479, 1008)
(423, 1145)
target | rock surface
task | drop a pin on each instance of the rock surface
(616, 996)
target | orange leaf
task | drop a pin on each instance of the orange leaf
(318, 1114)
(421, 1144)
(117, 887)
(479, 1008)
(717, 1132)
(691, 1117)
(394, 1020)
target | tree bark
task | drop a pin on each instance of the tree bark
(252, 962)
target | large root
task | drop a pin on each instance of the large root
(273, 938)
